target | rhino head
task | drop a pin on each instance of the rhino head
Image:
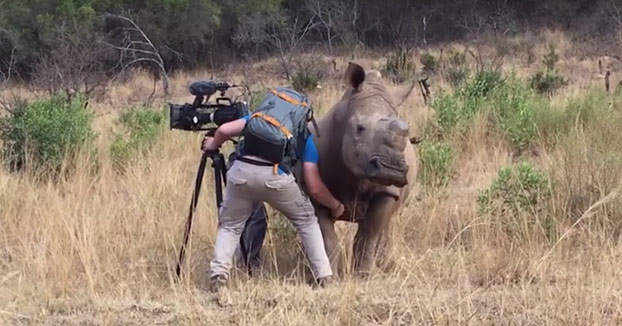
(374, 137)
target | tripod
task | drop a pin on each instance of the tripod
(218, 163)
(220, 178)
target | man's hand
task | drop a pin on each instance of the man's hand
(208, 144)
(223, 133)
(338, 210)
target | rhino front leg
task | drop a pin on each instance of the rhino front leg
(369, 232)
(331, 242)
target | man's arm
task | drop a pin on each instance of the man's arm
(315, 186)
(318, 190)
(223, 133)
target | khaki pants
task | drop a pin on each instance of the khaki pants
(247, 184)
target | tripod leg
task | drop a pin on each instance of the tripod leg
(193, 206)
(219, 174)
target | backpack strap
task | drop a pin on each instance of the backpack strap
(274, 122)
(288, 98)
(277, 124)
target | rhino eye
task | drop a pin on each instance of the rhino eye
(360, 128)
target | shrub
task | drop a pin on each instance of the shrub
(514, 110)
(547, 82)
(429, 62)
(255, 98)
(484, 82)
(507, 102)
(307, 72)
(436, 164)
(448, 111)
(518, 199)
(457, 59)
(456, 75)
(457, 71)
(141, 128)
(457, 109)
(551, 58)
(400, 66)
(306, 79)
(46, 132)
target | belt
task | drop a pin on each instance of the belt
(254, 162)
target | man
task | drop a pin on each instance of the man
(251, 241)
(252, 179)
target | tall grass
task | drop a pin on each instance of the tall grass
(100, 248)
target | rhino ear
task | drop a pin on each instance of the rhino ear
(355, 75)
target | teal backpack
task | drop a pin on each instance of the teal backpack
(277, 130)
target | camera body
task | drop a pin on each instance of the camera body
(195, 116)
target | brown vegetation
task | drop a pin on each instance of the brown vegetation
(99, 249)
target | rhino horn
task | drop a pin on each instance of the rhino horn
(399, 127)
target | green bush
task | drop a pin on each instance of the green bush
(507, 102)
(514, 110)
(547, 82)
(141, 128)
(436, 164)
(255, 98)
(483, 83)
(429, 62)
(456, 110)
(449, 111)
(518, 199)
(45, 133)
(400, 66)
(306, 79)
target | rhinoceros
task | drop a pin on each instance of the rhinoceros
(367, 161)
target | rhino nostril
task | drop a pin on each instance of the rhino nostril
(374, 163)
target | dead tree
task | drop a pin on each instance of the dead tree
(8, 63)
(425, 20)
(613, 41)
(287, 38)
(74, 64)
(327, 14)
(137, 48)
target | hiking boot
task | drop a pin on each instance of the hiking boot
(216, 283)
(324, 282)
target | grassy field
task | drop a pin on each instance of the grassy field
(99, 248)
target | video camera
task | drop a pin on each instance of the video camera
(193, 117)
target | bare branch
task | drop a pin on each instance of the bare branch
(148, 54)
(6, 106)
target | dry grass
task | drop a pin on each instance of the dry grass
(100, 249)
